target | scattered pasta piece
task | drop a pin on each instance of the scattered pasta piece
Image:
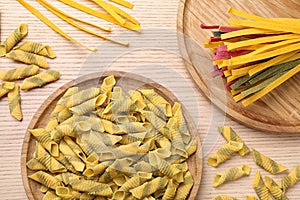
(40, 79)
(28, 58)
(230, 135)
(122, 155)
(19, 73)
(14, 102)
(291, 179)
(251, 198)
(267, 163)
(224, 153)
(231, 174)
(37, 48)
(275, 190)
(13, 39)
(224, 197)
(260, 187)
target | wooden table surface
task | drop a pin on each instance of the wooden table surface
(153, 53)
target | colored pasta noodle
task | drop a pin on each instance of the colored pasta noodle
(5, 87)
(260, 188)
(251, 198)
(35, 165)
(275, 190)
(291, 179)
(37, 48)
(14, 102)
(267, 163)
(224, 153)
(231, 174)
(13, 39)
(185, 187)
(28, 58)
(19, 73)
(45, 179)
(224, 197)
(40, 79)
(229, 134)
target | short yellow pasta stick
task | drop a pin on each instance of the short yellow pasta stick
(260, 188)
(13, 39)
(224, 153)
(40, 79)
(14, 102)
(275, 190)
(291, 179)
(231, 175)
(51, 24)
(19, 73)
(28, 58)
(108, 8)
(37, 48)
(271, 86)
(267, 163)
(123, 3)
(230, 135)
(243, 32)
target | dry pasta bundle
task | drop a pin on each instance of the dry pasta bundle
(254, 54)
(13, 39)
(267, 163)
(231, 174)
(112, 14)
(136, 153)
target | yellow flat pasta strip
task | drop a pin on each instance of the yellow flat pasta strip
(13, 39)
(244, 14)
(123, 3)
(101, 15)
(267, 25)
(271, 86)
(248, 31)
(255, 41)
(242, 71)
(272, 62)
(70, 21)
(51, 24)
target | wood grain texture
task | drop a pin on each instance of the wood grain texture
(278, 111)
(128, 82)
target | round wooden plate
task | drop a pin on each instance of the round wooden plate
(277, 112)
(128, 82)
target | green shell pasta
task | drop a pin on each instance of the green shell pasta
(229, 134)
(40, 79)
(13, 39)
(19, 73)
(28, 58)
(260, 188)
(37, 48)
(14, 102)
(267, 163)
(231, 174)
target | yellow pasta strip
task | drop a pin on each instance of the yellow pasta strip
(244, 14)
(108, 8)
(123, 3)
(247, 59)
(101, 15)
(271, 86)
(70, 21)
(255, 41)
(267, 25)
(51, 24)
(243, 32)
(270, 63)
(242, 71)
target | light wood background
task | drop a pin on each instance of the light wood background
(153, 53)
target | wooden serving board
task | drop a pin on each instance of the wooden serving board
(128, 82)
(277, 112)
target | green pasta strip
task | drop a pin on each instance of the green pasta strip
(51, 24)
(13, 39)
